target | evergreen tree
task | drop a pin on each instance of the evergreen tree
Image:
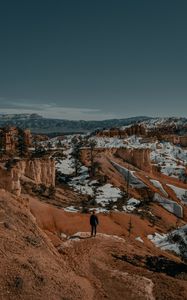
(92, 146)
(76, 154)
(59, 144)
(39, 151)
(49, 146)
(1, 144)
(128, 181)
(130, 227)
(22, 146)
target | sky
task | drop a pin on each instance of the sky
(93, 59)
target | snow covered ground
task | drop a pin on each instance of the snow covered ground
(71, 209)
(132, 204)
(159, 186)
(169, 205)
(106, 194)
(164, 122)
(82, 184)
(170, 158)
(139, 239)
(179, 192)
(66, 164)
(106, 142)
(102, 194)
(175, 241)
(134, 181)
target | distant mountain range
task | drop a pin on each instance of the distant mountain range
(38, 124)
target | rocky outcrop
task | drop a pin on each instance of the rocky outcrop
(176, 139)
(136, 129)
(166, 130)
(169, 205)
(31, 267)
(9, 139)
(40, 171)
(10, 180)
(139, 158)
(129, 176)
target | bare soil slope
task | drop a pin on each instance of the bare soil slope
(114, 265)
(105, 267)
(31, 268)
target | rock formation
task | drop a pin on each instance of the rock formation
(136, 129)
(167, 131)
(139, 158)
(9, 139)
(176, 139)
(40, 171)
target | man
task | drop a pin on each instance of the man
(93, 222)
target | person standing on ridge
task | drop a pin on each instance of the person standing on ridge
(94, 222)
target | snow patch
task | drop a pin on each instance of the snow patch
(107, 194)
(139, 239)
(129, 176)
(175, 241)
(132, 203)
(71, 209)
(169, 205)
(159, 186)
(179, 192)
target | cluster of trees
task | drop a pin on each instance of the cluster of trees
(21, 146)
(78, 143)
(1, 144)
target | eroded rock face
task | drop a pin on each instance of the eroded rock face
(40, 171)
(139, 158)
(136, 129)
(167, 132)
(177, 140)
(10, 180)
(9, 138)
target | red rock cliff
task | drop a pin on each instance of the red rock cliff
(140, 158)
(40, 171)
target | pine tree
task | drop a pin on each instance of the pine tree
(22, 146)
(92, 146)
(1, 144)
(130, 227)
(59, 144)
(39, 151)
(49, 146)
(76, 154)
(128, 180)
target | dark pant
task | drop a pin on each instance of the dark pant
(94, 229)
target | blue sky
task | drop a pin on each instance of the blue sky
(100, 59)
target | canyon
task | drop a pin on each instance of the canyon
(136, 184)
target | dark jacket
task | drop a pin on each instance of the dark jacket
(94, 220)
